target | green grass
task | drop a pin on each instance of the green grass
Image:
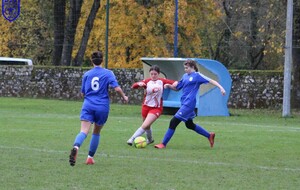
(255, 149)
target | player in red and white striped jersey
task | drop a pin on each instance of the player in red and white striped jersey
(152, 104)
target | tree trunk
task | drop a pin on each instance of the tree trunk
(223, 46)
(70, 31)
(86, 33)
(295, 97)
(59, 24)
(256, 48)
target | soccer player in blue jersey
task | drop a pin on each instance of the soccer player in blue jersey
(189, 83)
(96, 104)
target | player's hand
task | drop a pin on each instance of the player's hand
(138, 84)
(223, 92)
(141, 84)
(167, 86)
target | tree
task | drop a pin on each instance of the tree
(30, 34)
(146, 29)
(251, 36)
(59, 14)
(65, 34)
(86, 33)
(70, 31)
(242, 34)
(221, 53)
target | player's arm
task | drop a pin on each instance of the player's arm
(83, 86)
(139, 84)
(213, 82)
(121, 93)
(172, 86)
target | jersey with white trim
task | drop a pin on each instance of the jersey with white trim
(154, 91)
(190, 84)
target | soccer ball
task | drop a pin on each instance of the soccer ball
(140, 142)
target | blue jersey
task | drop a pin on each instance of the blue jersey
(190, 84)
(95, 84)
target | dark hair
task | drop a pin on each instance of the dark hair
(191, 63)
(97, 57)
(154, 68)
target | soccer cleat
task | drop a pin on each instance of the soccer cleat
(212, 139)
(130, 141)
(150, 141)
(90, 161)
(160, 146)
(72, 157)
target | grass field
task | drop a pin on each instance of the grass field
(254, 149)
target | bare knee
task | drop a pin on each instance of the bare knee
(97, 129)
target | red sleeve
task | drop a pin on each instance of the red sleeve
(136, 84)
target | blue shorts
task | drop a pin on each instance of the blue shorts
(185, 113)
(98, 116)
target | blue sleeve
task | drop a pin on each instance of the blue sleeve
(180, 83)
(204, 79)
(113, 83)
(83, 84)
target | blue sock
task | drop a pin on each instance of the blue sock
(79, 139)
(201, 131)
(94, 144)
(168, 136)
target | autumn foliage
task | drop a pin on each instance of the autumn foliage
(240, 34)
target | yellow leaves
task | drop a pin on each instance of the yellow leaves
(135, 31)
(265, 52)
(279, 50)
(147, 31)
(238, 34)
(261, 29)
(272, 45)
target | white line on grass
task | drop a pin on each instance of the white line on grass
(263, 126)
(203, 163)
(208, 123)
(162, 159)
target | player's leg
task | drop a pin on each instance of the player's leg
(149, 136)
(152, 116)
(137, 133)
(183, 114)
(140, 130)
(150, 119)
(169, 133)
(197, 128)
(94, 143)
(200, 130)
(86, 118)
(101, 116)
(85, 127)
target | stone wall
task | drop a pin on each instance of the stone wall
(256, 89)
(249, 89)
